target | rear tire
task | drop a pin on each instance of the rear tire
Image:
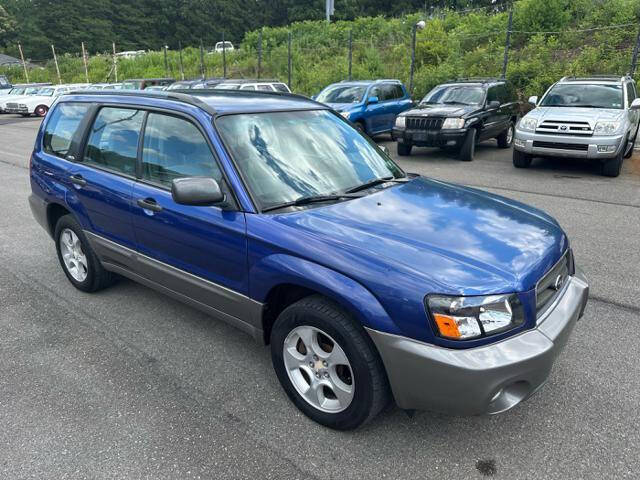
(468, 148)
(404, 149)
(304, 337)
(505, 139)
(361, 127)
(78, 260)
(613, 166)
(521, 159)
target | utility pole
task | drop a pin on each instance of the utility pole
(289, 59)
(166, 63)
(202, 69)
(634, 58)
(55, 60)
(115, 62)
(24, 65)
(351, 51)
(507, 44)
(84, 60)
(419, 25)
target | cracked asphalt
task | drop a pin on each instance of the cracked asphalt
(128, 383)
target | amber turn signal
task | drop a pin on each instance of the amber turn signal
(447, 326)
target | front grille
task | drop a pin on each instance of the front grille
(565, 127)
(552, 283)
(424, 123)
(12, 105)
(582, 147)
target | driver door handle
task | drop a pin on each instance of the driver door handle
(149, 204)
(77, 179)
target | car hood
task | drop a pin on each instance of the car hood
(341, 107)
(590, 115)
(457, 239)
(438, 110)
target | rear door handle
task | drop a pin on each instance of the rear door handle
(78, 180)
(149, 204)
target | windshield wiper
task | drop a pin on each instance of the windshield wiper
(376, 181)
(453, 102)
(306, 200)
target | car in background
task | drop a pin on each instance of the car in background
(250, 84)
(18, 89)
(158, 88)
(5, 84)
(29, 91)
(223, 46)
(105, 86)
(129, 54)
(143, 83)
(457, 115)
(371, 105)
(40, 103)
(594, 118)
(196, 84)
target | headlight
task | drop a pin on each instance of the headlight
(345, 114)
(401, 122)
(528, 124)
(450, 123)
(606, 128)
(464, 318)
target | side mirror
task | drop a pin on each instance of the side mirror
(533, 100)
(201, 191)
(635, 105)
(493, 105)
(313, 97)
(372, 100)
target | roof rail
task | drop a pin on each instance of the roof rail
(478, 79)
(619, 78)
(395, 80)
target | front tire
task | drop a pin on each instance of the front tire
(505, 139)
(613, 166)
(404, 149)
(468, 149)
(327, 364)
(41, 111)
(78, 260)
(521, 159)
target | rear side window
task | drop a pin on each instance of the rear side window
(175, 148)
(247, 87)
(113, 140)
(398, 91)
(631, 93)
(62, 125)
(281, 87)
(265, 87)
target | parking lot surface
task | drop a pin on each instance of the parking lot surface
(128, 383)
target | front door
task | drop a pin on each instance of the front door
(197, 251)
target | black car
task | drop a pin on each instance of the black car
(457, 115)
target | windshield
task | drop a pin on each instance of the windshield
(341, 94)
(32, 90)
(284, 156)
(455, 94)
(584, 95)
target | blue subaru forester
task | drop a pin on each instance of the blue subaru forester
(271, 212)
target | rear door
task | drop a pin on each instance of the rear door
(103, 177)
(197, 251)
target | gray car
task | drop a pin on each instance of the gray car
(593, 118)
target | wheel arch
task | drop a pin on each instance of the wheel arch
(54, 212)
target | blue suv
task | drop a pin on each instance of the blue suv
(271, 212)
(372, 106)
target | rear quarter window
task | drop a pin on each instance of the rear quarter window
(61, 127)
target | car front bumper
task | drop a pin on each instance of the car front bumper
(430, 138)
(483, 380)
(567, 145)
(18, 109)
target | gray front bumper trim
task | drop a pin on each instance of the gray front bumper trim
(487, 379)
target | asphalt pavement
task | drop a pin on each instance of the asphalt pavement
(127, 383)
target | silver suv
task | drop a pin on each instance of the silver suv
(593, 117)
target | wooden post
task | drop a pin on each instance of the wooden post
(166, 63)
(259, 52)
(202, 69)
(224, 57)
(24, 65)
(634, 56)
(507, 44)
(115, 62)
(84, 59)
(350, 51)
(55, 60)
(181, 66)
(289, 60)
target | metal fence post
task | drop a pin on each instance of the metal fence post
(115, 62)
(55, 60)
(634, 58)
(507, 44)
(202, 69)
(259, 53)
(24, 65)
(224, 57)
(166, 63)
(180, 57)
(289, 59)
(84, 60)
(350, 51)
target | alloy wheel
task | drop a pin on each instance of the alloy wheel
(75, 260)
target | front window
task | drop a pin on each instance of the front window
(342, 94)
(455, 95)
(584, 95)
(17, 91)
(284, 156)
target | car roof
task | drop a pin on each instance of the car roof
(366, 82)
(214, 102)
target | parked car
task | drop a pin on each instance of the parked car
(367, 282)
(196, 84)
(457, 115)
(372, 105)
(28, 93)
(248, 84)
(105, 86)
(40, 103)
(220, 46)
(594, 118)
(131, 54)
(5, 84)
(143, 83)
(19, 90)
